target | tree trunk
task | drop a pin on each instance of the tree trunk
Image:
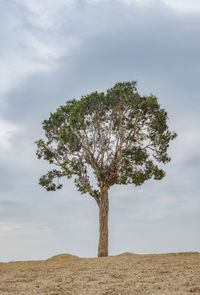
(103, 223)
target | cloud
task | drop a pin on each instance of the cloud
(6, 131)
(57, 50)
(180, 6)
(46, 31)
(35, 45)
(186, 6)
(45, 14)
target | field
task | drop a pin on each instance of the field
(124, 274)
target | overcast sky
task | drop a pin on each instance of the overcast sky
(55, 50)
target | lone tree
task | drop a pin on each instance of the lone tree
(119, 135)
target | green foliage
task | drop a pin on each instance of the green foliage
(47, 180)
(120, 135)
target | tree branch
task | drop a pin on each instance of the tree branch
(88, 187)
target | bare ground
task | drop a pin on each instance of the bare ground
(125, 274)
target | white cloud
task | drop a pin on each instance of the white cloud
(32, 42)
(185, 6)
(46, 13)
(6, 227)
(6, 131)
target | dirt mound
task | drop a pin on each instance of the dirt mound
(63, 257)
(127, 254)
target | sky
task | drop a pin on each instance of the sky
(54, 50)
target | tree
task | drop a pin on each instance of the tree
(119, 135)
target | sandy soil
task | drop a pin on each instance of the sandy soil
(125, 274)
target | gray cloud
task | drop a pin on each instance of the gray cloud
(107, 43)
(154, 46)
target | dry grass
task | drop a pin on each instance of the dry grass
(125, 274)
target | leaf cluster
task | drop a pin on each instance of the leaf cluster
(121, 135)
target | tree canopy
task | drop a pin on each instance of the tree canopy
(121, 135)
